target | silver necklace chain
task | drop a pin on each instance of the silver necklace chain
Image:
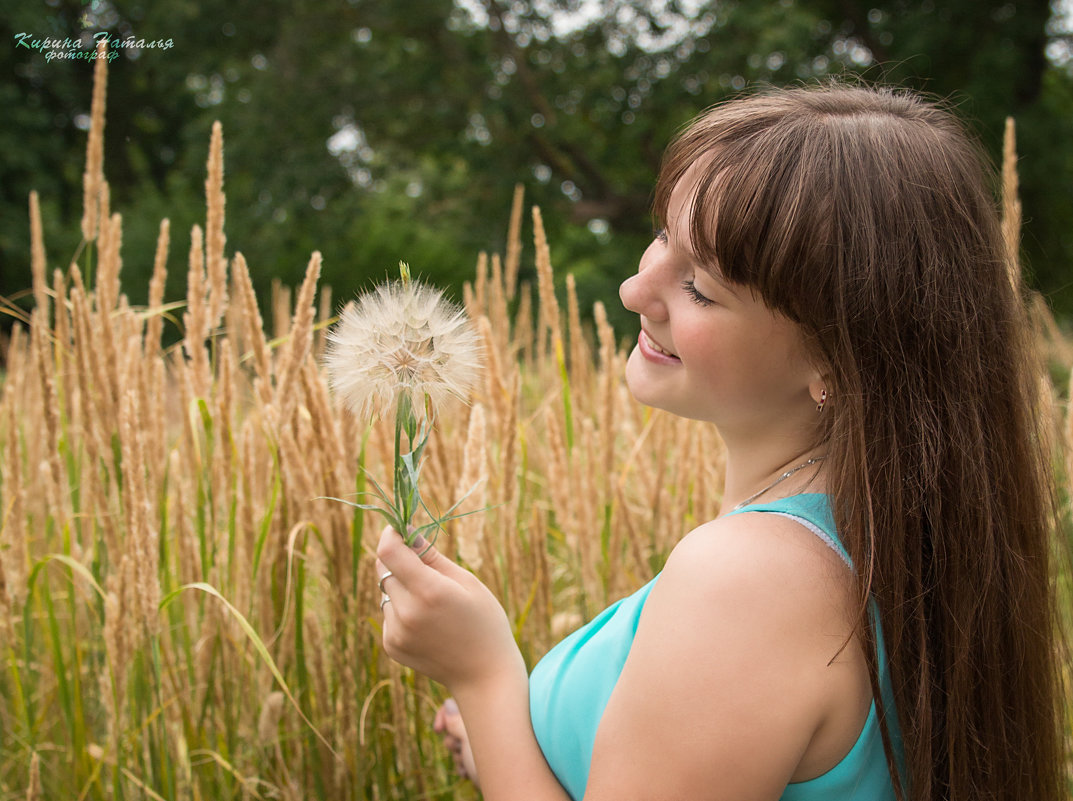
(778, 481)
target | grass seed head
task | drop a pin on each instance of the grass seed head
(402, 339)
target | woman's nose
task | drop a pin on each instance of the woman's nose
(640, 293)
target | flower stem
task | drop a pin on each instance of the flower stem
(407, 467)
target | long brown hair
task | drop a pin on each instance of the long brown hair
(866, 216)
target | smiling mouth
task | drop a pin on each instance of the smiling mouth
(651, 343)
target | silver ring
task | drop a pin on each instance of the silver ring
(380, 584)
(384, 600)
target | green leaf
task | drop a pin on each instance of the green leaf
(259, 646)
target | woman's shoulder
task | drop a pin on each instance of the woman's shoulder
(758, 552)
(773, 592)
(744, 629)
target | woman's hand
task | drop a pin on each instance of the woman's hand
(440, 619)
(449, 725)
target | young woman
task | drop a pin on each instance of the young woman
(871, 617)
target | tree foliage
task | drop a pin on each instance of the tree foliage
(380, 131)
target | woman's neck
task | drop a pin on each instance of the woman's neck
(757, 474)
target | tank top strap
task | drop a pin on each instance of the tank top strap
(812, 510)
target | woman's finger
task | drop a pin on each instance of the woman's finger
(393, 551)
(404, 562)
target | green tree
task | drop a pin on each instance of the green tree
(377, 131)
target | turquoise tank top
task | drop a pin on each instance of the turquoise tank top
(569, 688)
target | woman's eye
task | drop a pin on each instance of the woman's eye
(694, 294)
(660, 234)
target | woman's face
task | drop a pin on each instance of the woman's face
(708, 349)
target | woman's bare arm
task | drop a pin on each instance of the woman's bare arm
(726, 688)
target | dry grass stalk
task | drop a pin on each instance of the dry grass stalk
(326, 426)
(281, 309)
(268, 720)
(45, 363)
(1011, 204)
(541, 578)
(321, 699)
(110, 262)
(61, 335)
(609, 380)
(480, 286)
(30, 394)
(189, 436)
(523, 326)
(142, 536)
(253, 328)
(469, 300)
(206, 653)
(14, 554)
(589, 514)
(155, 406)
(1069, 434)
(332, 478)
(215, 261)
(7, 608)
(38, 267)
(188, 564)
(107, 296)
(472, 484)
(508, 452)
(93, 177)
(155, 322)
(127, 332)
(33, 787)
(296, 479)
(119, 643)
(196, 323)
(14, 360)
(498, 314)
(223, 417)
(95, 395)
(300, 342)
(494, 389)
(324, 314)
(400, 721)
(514, 243)
(104, 208)
(580, 359)
(549, 305)
(444, 462)
(62, 330)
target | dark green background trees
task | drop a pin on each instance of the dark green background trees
(376, 131)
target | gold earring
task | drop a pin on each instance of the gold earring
(823, 400)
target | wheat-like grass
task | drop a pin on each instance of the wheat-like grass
(1011, 203)
(215, 261)
(182, 615)
(38, 269)
(157, 283)
(514, 243)
(549, 304)
(472, 482)
(93, 177)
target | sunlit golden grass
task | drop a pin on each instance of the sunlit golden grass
(183, 615)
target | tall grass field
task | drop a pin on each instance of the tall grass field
(184, 611)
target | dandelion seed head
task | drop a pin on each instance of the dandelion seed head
(402, 339)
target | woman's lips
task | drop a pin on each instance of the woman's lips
(653, 351)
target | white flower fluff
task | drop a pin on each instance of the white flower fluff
(402, 339)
